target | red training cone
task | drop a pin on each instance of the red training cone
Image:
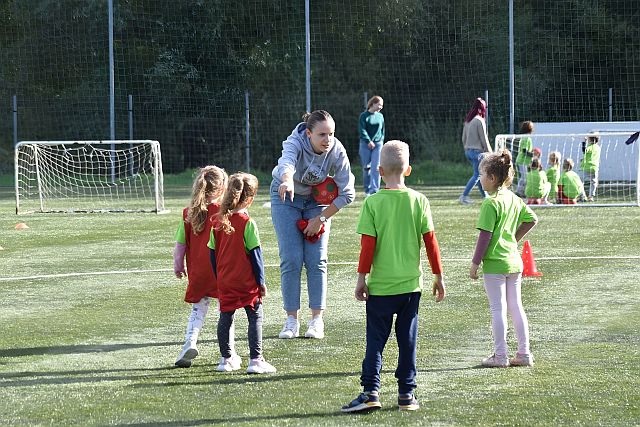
(529, 263)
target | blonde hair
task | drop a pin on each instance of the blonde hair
(242, 186)
(394, 157)
(567, 165)
(498, 164)
(554, 159)
(210, 182)
(373, 100)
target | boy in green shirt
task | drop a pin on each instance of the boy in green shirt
(392, 223)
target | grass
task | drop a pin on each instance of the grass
(99, 349)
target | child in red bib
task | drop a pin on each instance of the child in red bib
(192, 237)
(236, 258)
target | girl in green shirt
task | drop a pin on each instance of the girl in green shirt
(504, 220)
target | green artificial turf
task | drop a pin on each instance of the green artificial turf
(80, 348)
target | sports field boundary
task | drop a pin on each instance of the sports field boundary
(169, 270)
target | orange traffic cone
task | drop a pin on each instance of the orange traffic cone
(529, 263)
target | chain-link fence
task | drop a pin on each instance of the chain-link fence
(186, 73)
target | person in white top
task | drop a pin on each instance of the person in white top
(476, 143)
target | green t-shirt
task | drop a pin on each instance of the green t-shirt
(525, 146)
(501, 214)
(536, 183)
(397, 219)
(251, 236)
(571, 184)
(553, 176)
(591, 159)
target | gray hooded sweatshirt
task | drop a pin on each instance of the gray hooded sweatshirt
(309, 168)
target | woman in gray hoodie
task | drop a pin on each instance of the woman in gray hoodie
(309, 155)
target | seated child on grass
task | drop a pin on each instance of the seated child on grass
(570, 187)
(537, 188)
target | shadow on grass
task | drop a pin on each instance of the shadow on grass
(228, 420)
(297, 416)
(79, 349)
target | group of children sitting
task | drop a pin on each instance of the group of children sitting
(553, 185)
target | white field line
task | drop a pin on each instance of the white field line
(168, 270)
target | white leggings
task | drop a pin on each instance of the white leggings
(503, 291)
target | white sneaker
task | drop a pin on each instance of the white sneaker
(228, 364)
(188, 353)
(316, 328)
(291, 328)
(521, 360)
(465, 200)
(494, 361)
(260, 366)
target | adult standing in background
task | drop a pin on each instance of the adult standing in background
(309, 155)
(476, 143)
(371, 131)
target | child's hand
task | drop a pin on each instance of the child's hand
(180, 274)
(263, 291)
(473, 271)
(438, 288)
(362, 291)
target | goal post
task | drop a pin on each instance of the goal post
(619, 165)
(89, 176)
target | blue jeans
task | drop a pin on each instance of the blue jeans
(295, 251)
(371, 176)
(380, 311)
(474, 156)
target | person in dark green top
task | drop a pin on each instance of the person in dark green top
(590, 163)
(371, 131)
(504, 220)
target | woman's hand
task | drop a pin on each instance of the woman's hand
(313, 227)
(286, 188)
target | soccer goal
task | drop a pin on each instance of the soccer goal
(619, 172)
(88, 176)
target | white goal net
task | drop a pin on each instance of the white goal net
(618, 173)
(88, 176)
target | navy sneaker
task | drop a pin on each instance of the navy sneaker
(366, 401)
(408, 402)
